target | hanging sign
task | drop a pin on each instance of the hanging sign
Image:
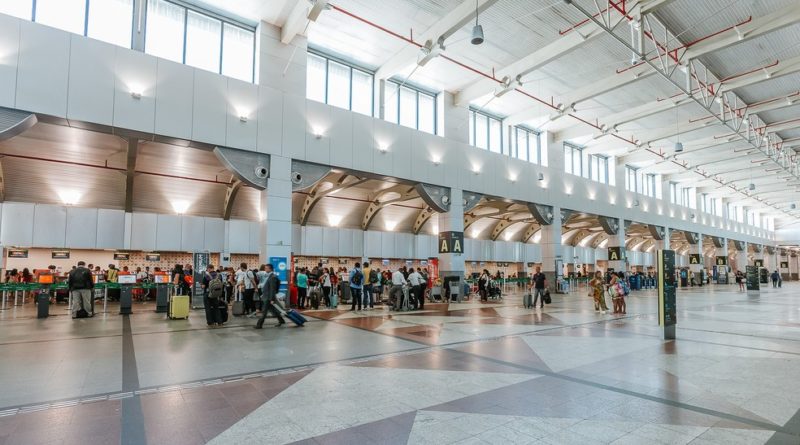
(118, 256)
(784, 264)
(616, 253)
(722, 260)
(18, 253)
(451, 242)
(59, 254)
(758, 263)
(694, 258)
(152, 257)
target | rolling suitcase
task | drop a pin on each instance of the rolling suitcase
(527, 301)
(223, 311)
(178, 307)
(334, 298)
(316, 296)
(238, 305)
(295, 316)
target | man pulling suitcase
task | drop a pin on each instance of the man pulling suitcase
(270, 292)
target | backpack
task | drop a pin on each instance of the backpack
(373, 277)
(357, 277)
(626, 289)
(215, 288)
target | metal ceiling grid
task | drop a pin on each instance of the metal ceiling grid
(770, 88)
(180, 161)
(67, 144)
(44, 182)
(158, 194)
(752, 54)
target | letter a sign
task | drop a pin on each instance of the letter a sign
(615, 254)
(451, 242)
(694, 258)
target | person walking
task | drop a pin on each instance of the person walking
(80, 285)
(597, 291)
(775, 278)
(356, 280)
(539, 281)
(483, 285)
(269, 294)
(739, 280)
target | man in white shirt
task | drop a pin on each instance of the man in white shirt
(246, 283)
(415, 279)
(396, 291)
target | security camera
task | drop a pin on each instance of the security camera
(261, 171)
(297, 178)
(446, 200)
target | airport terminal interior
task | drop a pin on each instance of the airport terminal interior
(399, 222)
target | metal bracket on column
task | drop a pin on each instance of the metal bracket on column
(691, 237)
(530, 231)
(542, 214)
(738, 245)
(657, 232)
(470, 200)
(343, 181)
(230, 197)
(565, 214)
(406, 193)
(306, 175)
(422, 217)
(437, 197)
(757, 248)
(609, 225)
(249, 167)
(717, 241)
(782, 252)
(770, 250)
(130, 172)
(15, 122)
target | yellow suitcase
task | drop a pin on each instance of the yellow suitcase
(178, 307)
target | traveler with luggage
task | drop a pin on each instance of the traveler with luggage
(367, 292)
(396, 291)
(415, 280)
(246, 282)
(483, 285)
(356, 280)
(213, 297)
(178, 279)
(539, 285)
(325, 279)
(80, 285)
(270, 293)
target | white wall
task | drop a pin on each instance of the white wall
(53, 72)
(50, 226)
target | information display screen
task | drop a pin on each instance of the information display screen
(751, 275)
(667, 311)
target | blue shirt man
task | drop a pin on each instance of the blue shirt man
(356, 280)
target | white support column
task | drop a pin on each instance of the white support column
(722, 271)
(452, 264)
(618, 240)
(741, 258)
(276, 211)
(550, 244)
(455, 119)
(281, 66)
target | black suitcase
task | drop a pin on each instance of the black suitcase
(223, 311)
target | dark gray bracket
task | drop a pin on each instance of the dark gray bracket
(691, 237)
(306, 175)
(542, 214)
(738, 245)
(436, 197)
(609, 225)
(15, 122)
(717, 241)
(770, 250)
(470, 200)
(565, 214)
(757, 248)
(657, 232)
(249, 167)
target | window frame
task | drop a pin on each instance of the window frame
(572, 149)
(328, 58)
(632, 172)
(603, 161)
(418, 91)
(473, 119)
(223, 21)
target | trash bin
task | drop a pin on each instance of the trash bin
(43, 304)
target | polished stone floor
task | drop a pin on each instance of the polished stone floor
(469, 373)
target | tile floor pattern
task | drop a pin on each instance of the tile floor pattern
(469, 373)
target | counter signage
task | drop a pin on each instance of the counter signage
(423, 263)
(342, 261)
(323, 260)
(667, 311)
(616, 253)
(152, 257)
(751, 275)
(384, 262)
(59, 254)
(758, 263)
(694, 258)
(784, 264)
(722, 260)
(122, 256)
(18, 253)
(451, 242)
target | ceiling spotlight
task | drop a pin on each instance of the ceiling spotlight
(431, 50)
(678, 147)
(477, 30)
(636, 203)
(751, 186)
(508, 85)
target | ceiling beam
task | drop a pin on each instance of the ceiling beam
(456, 19)
(533, 61)
(715, 42)
(406, 193)
(648, 6)
(230, 197)
(343, 181)
(295, 22)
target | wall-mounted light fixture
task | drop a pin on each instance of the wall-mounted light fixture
(436, 160)
(383, 148)
(541, 176)
(136, 95)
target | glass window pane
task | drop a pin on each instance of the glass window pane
(202, 41)
(18, 8)
(68, 15)
(338, 85)
(390, 106)
(481, 131)
(238, 50)
(362, 92)
(427, 113)
(111, 21)
(576, 162)
(408, 107)
(495, 136)
(522, 144)
(472, 128)
(315, 78)
(164, 34)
